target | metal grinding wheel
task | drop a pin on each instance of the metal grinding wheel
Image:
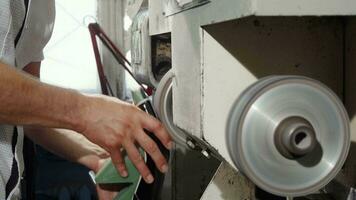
(162, 102)
(289, 134)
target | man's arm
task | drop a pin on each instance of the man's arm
(74, 147)
(65, 143)
(105, 121)
(69, 145)
(26, 101)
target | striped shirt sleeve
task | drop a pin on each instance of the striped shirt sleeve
(7, 46)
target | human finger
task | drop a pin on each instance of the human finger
(156, 127)
(119, 163)
(138, 161)
(152, 149)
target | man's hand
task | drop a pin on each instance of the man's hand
(113, 125)
(107, 122)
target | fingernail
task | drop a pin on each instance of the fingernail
(124, 173)
(149, 179)
(164, 168)
(170, 145)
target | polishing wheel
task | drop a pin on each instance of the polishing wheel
(289, 134)
(162, 102)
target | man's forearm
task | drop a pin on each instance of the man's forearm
(67, 144)
(26, 101)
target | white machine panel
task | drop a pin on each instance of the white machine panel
(187, 44)
(263, 47)
(159, 23)
(304, 7)
(184, 2)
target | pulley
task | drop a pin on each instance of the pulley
(289, 134)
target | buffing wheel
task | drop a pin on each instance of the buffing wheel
(162, 102)
(289, 134)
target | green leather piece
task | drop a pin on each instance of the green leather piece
(137, 95)
(109, 175)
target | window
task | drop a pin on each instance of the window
(69, 58)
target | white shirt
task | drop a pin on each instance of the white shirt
(37, 30)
